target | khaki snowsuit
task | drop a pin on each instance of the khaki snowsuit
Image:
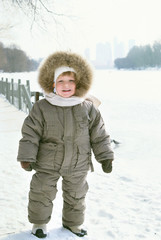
(58, 142)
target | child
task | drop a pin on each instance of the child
(58, 136)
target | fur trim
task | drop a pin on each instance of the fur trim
(58, 59)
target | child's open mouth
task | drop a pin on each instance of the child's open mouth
(67, 90)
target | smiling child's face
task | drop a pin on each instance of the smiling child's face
(66, 85)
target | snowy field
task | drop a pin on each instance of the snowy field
(123, 205)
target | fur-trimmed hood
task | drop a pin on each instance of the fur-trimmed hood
(83, 71)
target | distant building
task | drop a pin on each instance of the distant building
(103, 56)
(118, 49)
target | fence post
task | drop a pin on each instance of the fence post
(29, 92)
(19, 94)
(12, 91)
(28, 86)
(36, 96)
(7, 89)
(1, 85)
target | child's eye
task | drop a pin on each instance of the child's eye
(72, 80)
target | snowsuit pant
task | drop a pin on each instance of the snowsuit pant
(43, 189)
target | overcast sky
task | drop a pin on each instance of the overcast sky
(93, 21)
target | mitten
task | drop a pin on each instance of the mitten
(107, 165)
(26, 166)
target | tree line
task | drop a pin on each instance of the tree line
(140, 57)
(13, 59)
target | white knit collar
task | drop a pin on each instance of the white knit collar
(57, 100)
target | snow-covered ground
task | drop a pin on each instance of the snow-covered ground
(123, 205)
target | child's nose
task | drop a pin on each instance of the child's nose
(66, 84)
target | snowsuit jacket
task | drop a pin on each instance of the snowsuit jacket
(62, 137)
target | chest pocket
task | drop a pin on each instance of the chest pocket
(50, 128)
(52, 124)
(82, 119)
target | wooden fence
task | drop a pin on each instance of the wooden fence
(19, 94)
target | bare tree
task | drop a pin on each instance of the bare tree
(36, 20)
(38, 12)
